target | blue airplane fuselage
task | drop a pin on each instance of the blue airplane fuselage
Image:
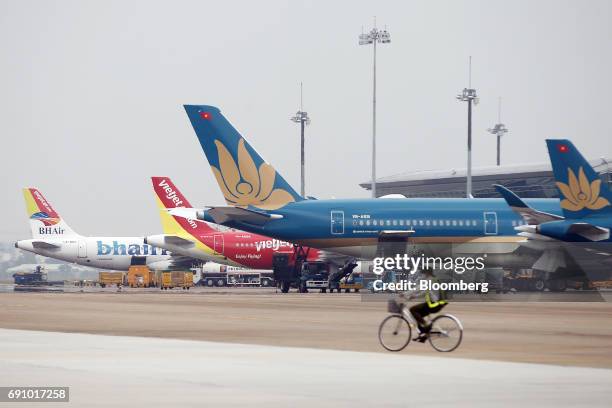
(341, 224)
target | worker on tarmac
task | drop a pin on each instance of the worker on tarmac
(435, 300)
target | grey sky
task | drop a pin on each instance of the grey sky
(91, 93)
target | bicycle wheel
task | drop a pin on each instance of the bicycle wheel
(394, 332)
(446, 333)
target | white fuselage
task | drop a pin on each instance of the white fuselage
(117, 253)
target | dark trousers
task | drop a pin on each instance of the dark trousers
(420, 310)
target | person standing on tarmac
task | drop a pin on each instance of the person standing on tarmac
(435, 300)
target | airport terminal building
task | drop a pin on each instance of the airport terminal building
(526, 180)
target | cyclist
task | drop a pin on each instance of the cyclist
(435, 300)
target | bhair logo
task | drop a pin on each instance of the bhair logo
(116, 248)
(44, 218)
(51, 230)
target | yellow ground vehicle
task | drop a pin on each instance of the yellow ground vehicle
(140, 276)
(176, 279)
(111, 278)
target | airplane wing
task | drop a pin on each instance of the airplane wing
(224, 214)
(589, 231)
(394, 235)
(530, 215)
(221, 215)
(392, 243)
(178, 241)
(44, 245)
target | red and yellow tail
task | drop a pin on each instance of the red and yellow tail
(167, 197)
(45, 222)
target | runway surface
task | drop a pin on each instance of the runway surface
(152, 372)
(571, 334)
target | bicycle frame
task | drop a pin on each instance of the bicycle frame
(413, 324)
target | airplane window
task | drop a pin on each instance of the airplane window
(401, 222)
(360, 222)
(420, 222)
(435, 223)
(368, 222)
(467, 223)
(388, 222)
(461, 223)
(394, 222)
(441, 222)
(427, 222)
(374, 222)
(514, 223)
(447, 223)
(414, 222)
(454, 223)
(474, 223)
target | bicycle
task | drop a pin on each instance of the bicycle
(395, 331)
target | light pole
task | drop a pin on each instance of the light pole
(373, 37)
(302, 118)
(498, 130)
(468, 95)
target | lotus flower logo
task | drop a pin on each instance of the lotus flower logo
(244, 184)
(580, 194)
(44, 218)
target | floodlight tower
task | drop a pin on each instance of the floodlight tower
(498, 130)
(302, 118)
(468, 95)
(373, 37)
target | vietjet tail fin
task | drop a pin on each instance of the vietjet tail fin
(581, 191)
(45, 222)
(168, 197)
(244, 178)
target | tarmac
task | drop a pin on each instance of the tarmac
(233, 347)
(152, 372)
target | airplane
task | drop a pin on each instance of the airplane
(584, 228)
(199, 240)
(52, 237)
(259, 200)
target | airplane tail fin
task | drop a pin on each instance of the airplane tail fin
(45, 222)
(581, 191)
(167, 197)
(244, 178)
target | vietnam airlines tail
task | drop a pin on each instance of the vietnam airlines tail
(587, 212)
(45, 222)
(244, 178)
(581, 192)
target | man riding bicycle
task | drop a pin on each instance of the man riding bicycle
(435, 300)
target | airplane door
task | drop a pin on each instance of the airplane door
(82, 251)
(218, 244)
(490, 223)
(337, 222)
